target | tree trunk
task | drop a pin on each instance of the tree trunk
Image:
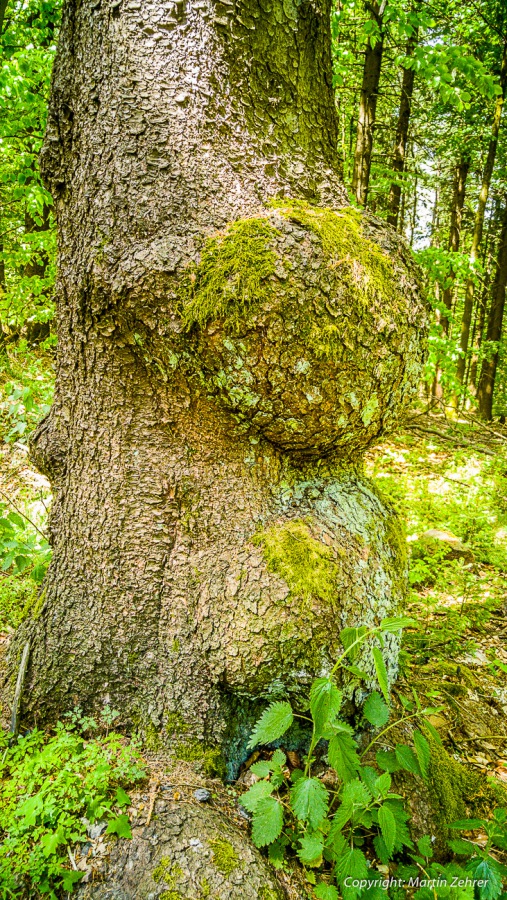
(486, 387)
(367, 109)
(458, 201)
(479, 221)
(400, 144)
(217, 383)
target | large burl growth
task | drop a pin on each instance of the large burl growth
(232, 338)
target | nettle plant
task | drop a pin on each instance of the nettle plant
(328, 826)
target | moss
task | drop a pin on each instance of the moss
(268, 894)
(175, 724)
(211, 759)
(231, 274)
(224, 856)
(205, 889)
(151, 737)
(306, 564)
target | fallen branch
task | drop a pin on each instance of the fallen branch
(19, 689)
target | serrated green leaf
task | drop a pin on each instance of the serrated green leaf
(276, 852)
(120, 825)
(273, 723)
(387, 824)
(380, 668)
(267, 821)
(407, 759)
(375, 710)
(309, 800)
(468, 824)
(255, 794)
(278, 759)
(325, 703)
(488, 871)
(422, 749)
(326, 892)
(425, 846)
(386, 759)
(461, 847)
(310, 849)
(397, 623)
(343, 757)
(349, 636)
(351, 865)
(382, 785)
(262, 768)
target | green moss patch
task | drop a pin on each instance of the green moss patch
(306, 564)
(231, 274)
(224, 856)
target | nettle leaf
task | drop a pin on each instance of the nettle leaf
(351, 865)
(375, 710)
(489, 871)
(380, 668)
(422, 749)
(387, 760)
(309, 800)
(395, 624)
(381, 849)
(461, 847)
(120, 825)
(468, 824)
(343, 757)
(425, 847)
(273, 723)
(387, 824)
(326, 892)
(261, 768)
(276, 852)
(278, 759)
(311, 848)
(267, 821)
(325, 702)
(349, 636)
(382, 785)
(259, 791)
(407, 759)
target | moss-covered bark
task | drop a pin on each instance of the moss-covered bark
(231, 338)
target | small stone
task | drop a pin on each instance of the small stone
(202, 795)
(244, 813)
(94, 831)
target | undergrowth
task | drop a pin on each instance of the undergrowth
(52, 788)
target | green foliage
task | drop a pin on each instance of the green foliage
(327, 828)
(27, 242)
(51, 789)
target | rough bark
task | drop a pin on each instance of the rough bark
(217, 383)
(479, 221)
(368, 108)
(402, 126)
(486, 386)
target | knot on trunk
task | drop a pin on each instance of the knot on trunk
(307, 325)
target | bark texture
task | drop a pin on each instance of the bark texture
(368, 107)
(224, 361)
(486, 386)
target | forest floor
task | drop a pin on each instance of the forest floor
(448, 481)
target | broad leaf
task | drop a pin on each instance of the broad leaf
(259, 791)
(386, 760)
(488, 871)
(267, 821)
(380, 668)
(273, 723)
(122, 799)
(375, 710)
(349, 636)
(343, 757)
(120, 825)
(422, 749)
(397, 623)
(309, 800)
(407, 759)
(310, 851)
(325, 892)
(351, 865)
(387, 824)
(325, 702)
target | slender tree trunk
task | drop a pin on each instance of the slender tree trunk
(486, 387)
(367, 109)
(217, 383)
(400, 144)
(488, 263)
(458, 200)
(479, 222)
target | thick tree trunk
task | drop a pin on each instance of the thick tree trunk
(368, 109)
(479, 221)
(486, 386)
(400, 143)
(217, 382)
